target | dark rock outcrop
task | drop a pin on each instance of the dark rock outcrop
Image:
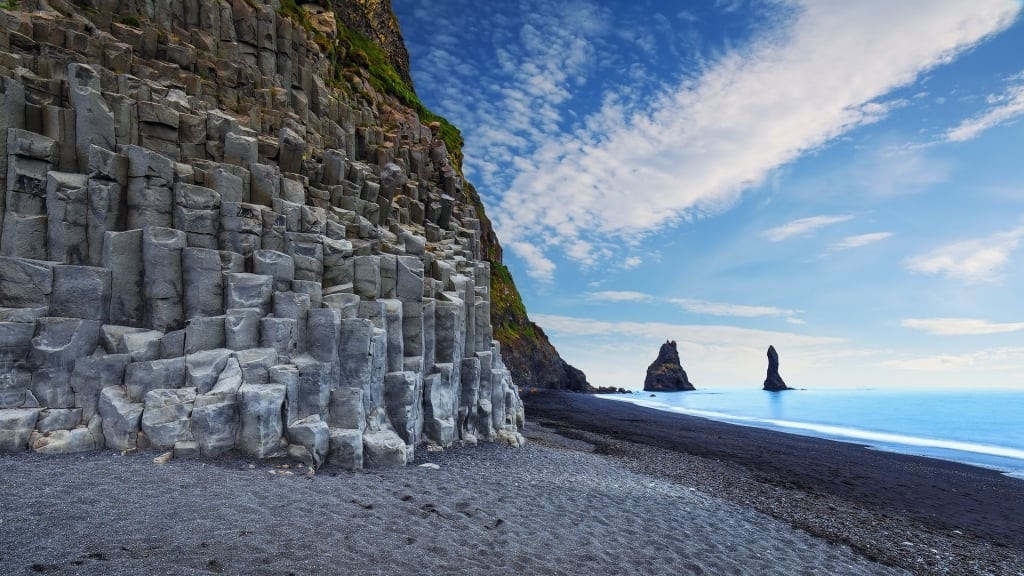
(529, 354)
(774, 382)
(666, 374)
(532, 358)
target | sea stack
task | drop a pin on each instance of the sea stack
(666, 374)
(773, 382)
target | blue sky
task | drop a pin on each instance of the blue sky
(843, 180)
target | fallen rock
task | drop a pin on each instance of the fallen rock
(16, 427)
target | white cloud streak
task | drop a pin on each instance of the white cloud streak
(730, 310)
(1006, 107)
(802, 226)
(538, 265)
(971, 261)
(694, 151)
(859, 240)
(960, 326)
(619, 296)
(698, 333)
(697, 306)
(988, 360)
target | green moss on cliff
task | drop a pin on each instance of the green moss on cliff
(291, 9)
(508, 314)
(364, 53)
(353, 51)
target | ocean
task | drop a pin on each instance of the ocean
(981, 428)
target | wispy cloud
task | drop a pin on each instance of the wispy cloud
(539, 266)
(632, 262)
(993, 359)
(732, 310)
(699, 145)
(859, 240)
(697, 306)
(802, 226)
(1004, 107)
(971, 261)
(619, 296)
(701, 333)
(960, 326)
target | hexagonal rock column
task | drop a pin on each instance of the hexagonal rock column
(262, 427)
(164, 288)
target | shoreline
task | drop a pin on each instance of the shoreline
(967, 452)
(894, 446)
(886, 505)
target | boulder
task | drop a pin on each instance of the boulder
(666, 373)
(313, 436)
(121, 419)
(165, 420)
(72, 441)
(16, 428)
(384, 448)
(346, 448)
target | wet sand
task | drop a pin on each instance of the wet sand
(839, 491)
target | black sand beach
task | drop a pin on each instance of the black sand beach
(602, 487)
(840, 491)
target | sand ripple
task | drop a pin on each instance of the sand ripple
(486, 510)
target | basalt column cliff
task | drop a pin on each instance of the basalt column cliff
(231, 225)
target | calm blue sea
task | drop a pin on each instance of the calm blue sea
(981, 428)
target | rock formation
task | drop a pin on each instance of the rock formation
(526, 349)
(773, 381)
(217, 234)
(666, 373)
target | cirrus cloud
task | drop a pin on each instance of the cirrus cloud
(700, 144)
(972, 261)
(960, 326)
(802, 226)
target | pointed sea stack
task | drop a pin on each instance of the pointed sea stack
(666, 374)
(773, 382)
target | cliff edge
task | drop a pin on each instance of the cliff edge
(531, 357)
(231, 225)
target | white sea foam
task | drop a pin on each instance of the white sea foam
(1004, 458)
(887, 438)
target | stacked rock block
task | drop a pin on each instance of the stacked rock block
(204, 248)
